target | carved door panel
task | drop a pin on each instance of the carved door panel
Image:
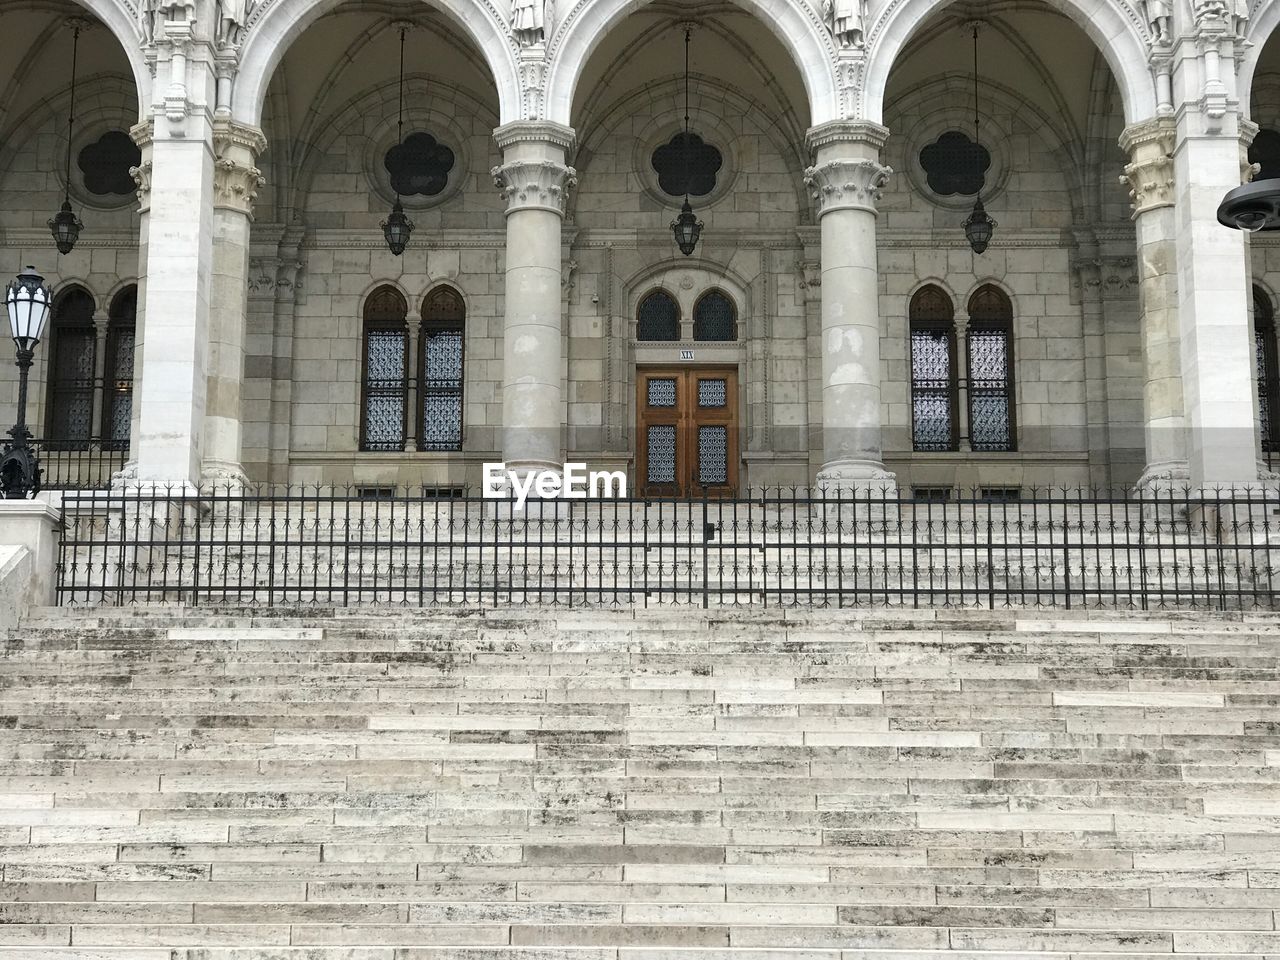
(687, 431)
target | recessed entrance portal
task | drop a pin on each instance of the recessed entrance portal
(687, 430)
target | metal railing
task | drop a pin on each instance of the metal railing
(774, 547)
(79, 464)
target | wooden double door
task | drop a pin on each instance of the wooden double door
(687, 434)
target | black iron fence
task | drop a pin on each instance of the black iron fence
(79, 464)
(775, 547)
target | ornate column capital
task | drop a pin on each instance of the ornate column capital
(834, 132)
(846, 184)
(536, 133)
(535, 185)
(1149, 174)
(141, 134)
(236, 179)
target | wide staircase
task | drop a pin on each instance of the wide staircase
(365, 784)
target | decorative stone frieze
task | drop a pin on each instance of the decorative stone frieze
(1149, 176)
(846, 184)
(535, 184)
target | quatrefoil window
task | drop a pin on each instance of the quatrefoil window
(419, 166)
(955, 164)
(687, 161)
(105, 164)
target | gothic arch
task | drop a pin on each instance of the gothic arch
(275, 24)
(796, 25)
(1114, 28)
(1264, 27)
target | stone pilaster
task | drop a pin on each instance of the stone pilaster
(236, 180)
(1213, 302)
(1150, 178)
(845, 183)
(534, 179)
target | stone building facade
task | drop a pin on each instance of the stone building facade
(233, 163)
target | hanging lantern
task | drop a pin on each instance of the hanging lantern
(978, 228)
(397, 229)
(687, 229)
(65, 227)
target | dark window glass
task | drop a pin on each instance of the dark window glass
(1264, 332)
(955, 164)
(1265, 150)
(933, 371)
(105, 164)
(121, 335)
(687, 164)
(385, 345)
(990, 355)
(72, 357)
(658, 318)
(419, 166)
(714, 318)
(443, 316)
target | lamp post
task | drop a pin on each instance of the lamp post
(27, 301)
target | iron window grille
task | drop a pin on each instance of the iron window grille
(117, 407)
(72, 361)
(384, 374)
(440, 371)
(934, 425)
(715, 318)
(658, 317)
(989, 355)
(1264, 335)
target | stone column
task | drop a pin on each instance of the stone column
(534, 180)
(1150, 178)
(413, 383)
(845, 183)
(101, 325)
(236, 180)
(178, 234)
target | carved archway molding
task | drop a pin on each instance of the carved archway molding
(273, 25)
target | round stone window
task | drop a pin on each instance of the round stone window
(420, 166)
(687, 164)
(100, 174)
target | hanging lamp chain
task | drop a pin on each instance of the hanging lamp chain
(71, 113)
(975, 83)
(688, 34)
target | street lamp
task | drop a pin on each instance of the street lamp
(27, 300)
(1252, 207)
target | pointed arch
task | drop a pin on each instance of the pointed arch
(1115, 28)
(796, 25)
(275, 24)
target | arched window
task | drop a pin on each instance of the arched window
(714, 317)
(1264, 335)
(933, 371)
(440, 371)
(658, 317)
(990, 361)
(117, 407)
(72, 357)
(386, 338)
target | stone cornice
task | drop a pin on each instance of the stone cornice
(535, 185)
(846, 185)
(846, 131)
(535, 131)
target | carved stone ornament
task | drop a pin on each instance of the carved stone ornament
(1149, 176)
(535, 185)
(142, 177)
(846, 184)
(235, 185)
